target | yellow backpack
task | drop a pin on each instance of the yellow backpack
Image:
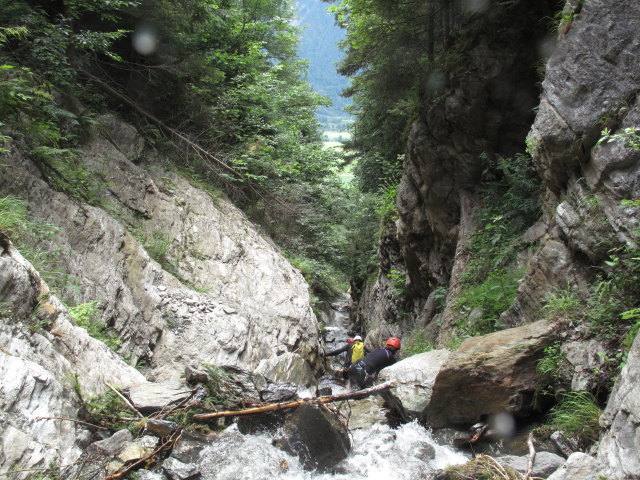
(357, 351)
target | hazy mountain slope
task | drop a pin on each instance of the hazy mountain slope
(319, 45)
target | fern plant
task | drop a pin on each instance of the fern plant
(85, 315)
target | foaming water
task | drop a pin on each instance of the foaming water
(380, 452)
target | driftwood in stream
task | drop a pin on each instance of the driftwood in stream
(356, 395)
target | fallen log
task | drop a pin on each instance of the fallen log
(355, 395)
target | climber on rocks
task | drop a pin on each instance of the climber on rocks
(354, 350)
(362, 372)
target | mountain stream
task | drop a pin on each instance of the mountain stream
(378, 450)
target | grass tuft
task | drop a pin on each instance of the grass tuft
(577, 415)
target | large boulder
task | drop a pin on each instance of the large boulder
(288, 367)
(317, 437)
(582, 356)
(415, 377)
(620, 445)
(489, 374)
(150, 397)
(545, 463)
(579, 466)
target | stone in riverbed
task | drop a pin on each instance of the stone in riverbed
(317, 437)
(545, 463)
(151, 397)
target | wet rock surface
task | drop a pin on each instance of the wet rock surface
(317, 437)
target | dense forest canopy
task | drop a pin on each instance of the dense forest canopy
(219, 85)
(216, 85)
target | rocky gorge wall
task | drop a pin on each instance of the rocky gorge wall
(486, 107)
(591, 83)
(220, 292)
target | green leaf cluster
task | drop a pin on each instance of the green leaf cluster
(384, 58)
(551, 367)
(492, 297)
(509, 204)
(629, 137)
(85, 315)
(416, 343)
(610, 306)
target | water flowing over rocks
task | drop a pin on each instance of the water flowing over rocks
(317, 437)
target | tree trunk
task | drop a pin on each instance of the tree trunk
(357, 395)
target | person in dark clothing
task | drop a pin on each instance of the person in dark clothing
(361, 373)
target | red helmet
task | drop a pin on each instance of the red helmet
(350, 340)
(394, 342)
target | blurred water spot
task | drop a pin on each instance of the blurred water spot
(504, 425)
(546, 46)
(436, 81)
(145, 40)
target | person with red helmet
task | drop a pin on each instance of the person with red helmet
(362, 372)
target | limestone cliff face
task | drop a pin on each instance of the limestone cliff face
(45, 363)
(231, 297)
(590, 83)
(222, 292)
(486, 107)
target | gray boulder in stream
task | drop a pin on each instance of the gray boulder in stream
(415, 378)
(488, 374)
(316, 437)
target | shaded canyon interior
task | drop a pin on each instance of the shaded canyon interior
(227, 296)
